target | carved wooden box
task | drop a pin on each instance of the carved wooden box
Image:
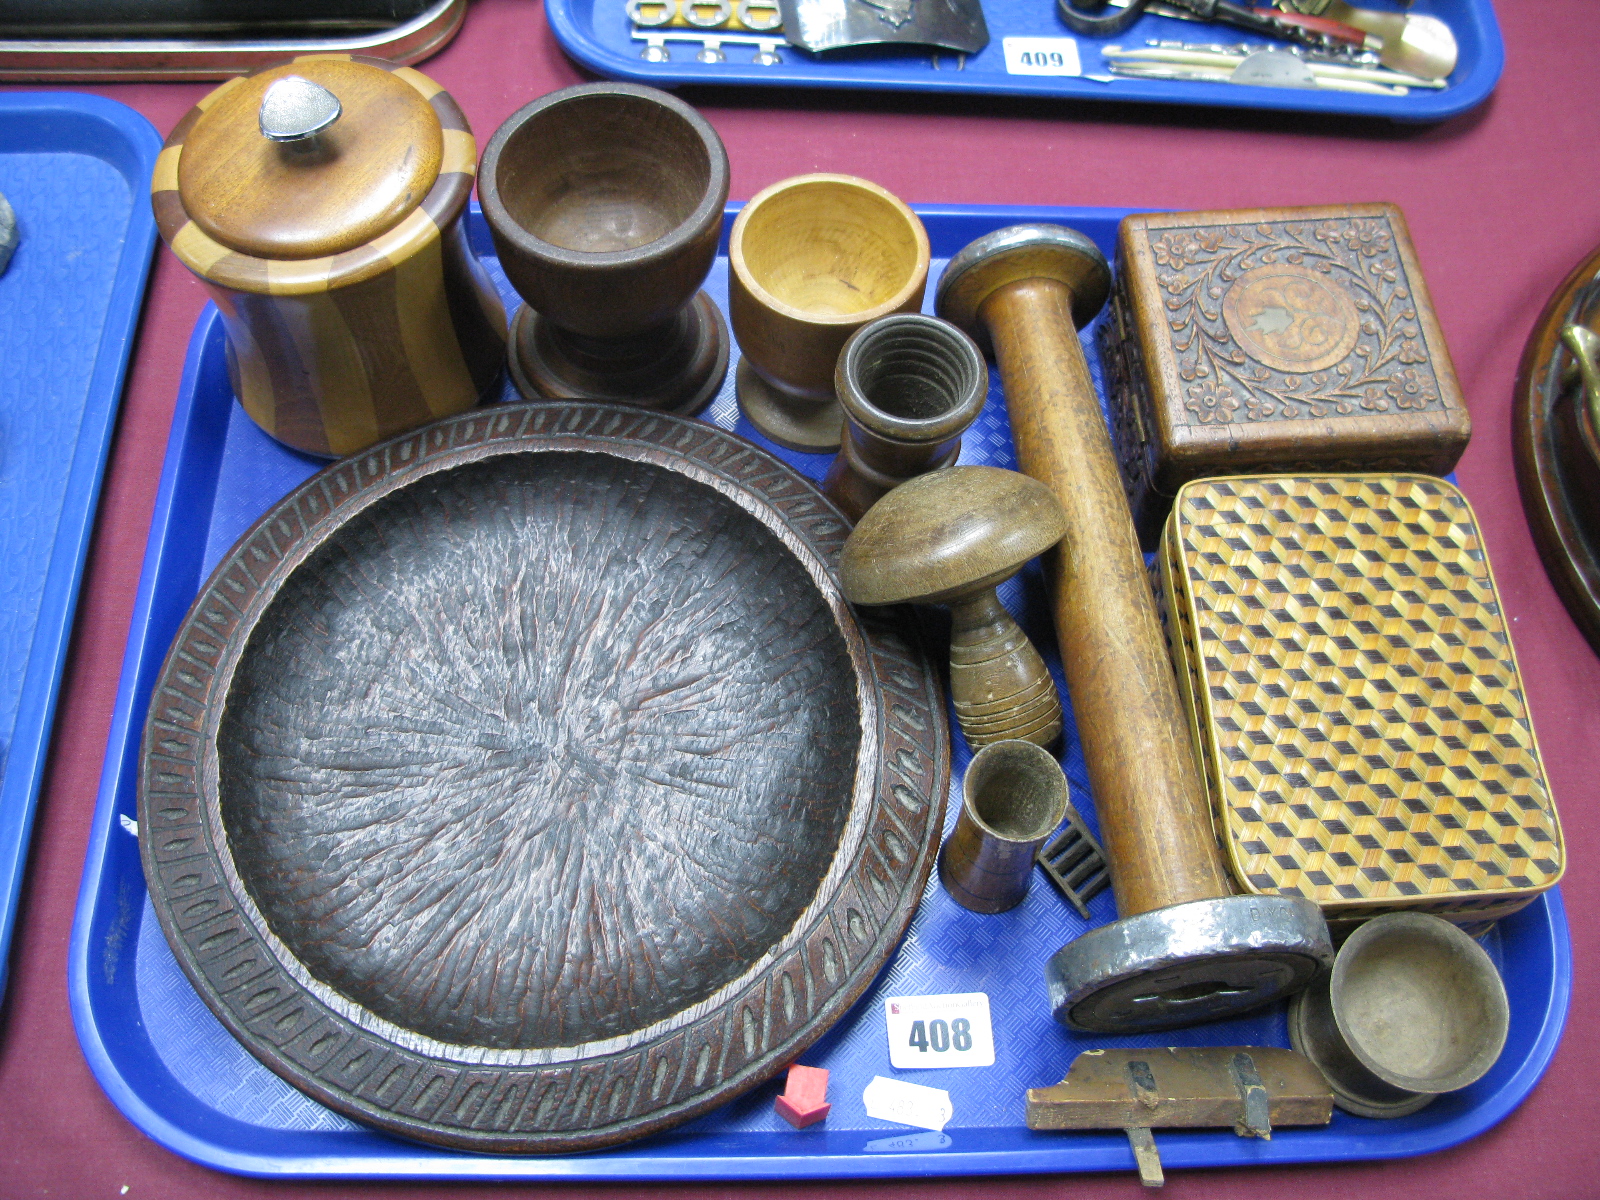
(1286, 339)
(1354, 696)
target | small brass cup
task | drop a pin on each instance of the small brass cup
(1412, 1008)
(910, 385)
(813, 259)
(1012, 798)
(605, 203)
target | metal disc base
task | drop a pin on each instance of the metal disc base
(1188, 963)
(678, 369)
(809, 426)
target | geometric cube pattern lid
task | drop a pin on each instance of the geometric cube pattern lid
(1355, 695)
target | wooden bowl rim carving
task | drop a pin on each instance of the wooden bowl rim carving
(1547, 467)
(552, 1100)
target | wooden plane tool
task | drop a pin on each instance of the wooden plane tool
(1248, 1088)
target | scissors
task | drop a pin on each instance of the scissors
(1091, 21)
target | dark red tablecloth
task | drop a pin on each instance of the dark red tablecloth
(1502, 203)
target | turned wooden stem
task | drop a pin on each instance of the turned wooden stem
(1154, 814)
(999, 684)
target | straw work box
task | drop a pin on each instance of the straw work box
(1281, 340)
(1354, 696)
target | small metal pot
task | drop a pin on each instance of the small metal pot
(1412, 1008)
(1013, 797)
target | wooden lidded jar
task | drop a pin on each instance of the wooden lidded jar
(320, 201)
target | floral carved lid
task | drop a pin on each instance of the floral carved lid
(1266, 321)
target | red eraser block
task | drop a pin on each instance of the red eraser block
(805, 1096)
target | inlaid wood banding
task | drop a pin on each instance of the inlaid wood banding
(340, 342)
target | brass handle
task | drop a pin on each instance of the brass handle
(1585, 347)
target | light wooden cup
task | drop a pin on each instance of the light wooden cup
(813, 259)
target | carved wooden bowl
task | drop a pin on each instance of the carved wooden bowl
(526, 784)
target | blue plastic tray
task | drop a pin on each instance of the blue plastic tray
(76, 170)
(178, 1075)
(598, 34)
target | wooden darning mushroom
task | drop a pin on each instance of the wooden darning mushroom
(951, 537)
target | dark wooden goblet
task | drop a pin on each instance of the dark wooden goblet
(605, 203)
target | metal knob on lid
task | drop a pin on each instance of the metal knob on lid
(295, 109)
(311, 159)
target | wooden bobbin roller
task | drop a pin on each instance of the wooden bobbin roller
(1184, 949)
